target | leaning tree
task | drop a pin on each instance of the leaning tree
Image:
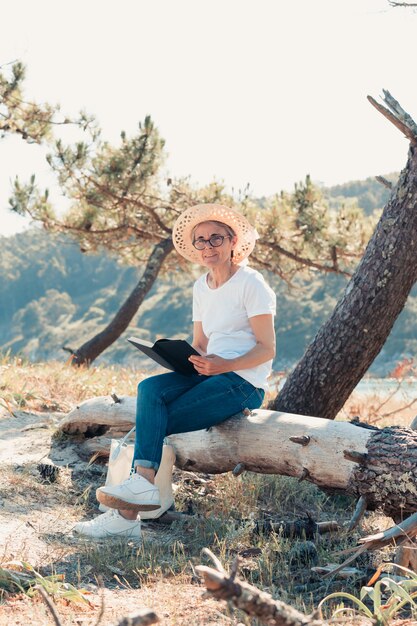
(351, 338)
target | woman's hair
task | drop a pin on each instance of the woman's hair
(227, 228)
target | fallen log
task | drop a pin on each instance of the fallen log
(96, 415)
(378, 465)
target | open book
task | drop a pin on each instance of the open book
(170, 353)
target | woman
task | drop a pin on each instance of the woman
(233, 311)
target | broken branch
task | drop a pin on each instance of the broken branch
(358, 513)
(253, 601)
(410, 131)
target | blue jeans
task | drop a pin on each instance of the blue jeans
(173, 403)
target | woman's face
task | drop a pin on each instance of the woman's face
(214, 256)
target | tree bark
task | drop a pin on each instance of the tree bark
(252, 601)
(376, 465)
(95, 346)
(349, 341)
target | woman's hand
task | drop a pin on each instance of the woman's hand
(211, 364)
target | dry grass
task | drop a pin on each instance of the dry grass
(228, 516)
(55, 386)
(392, 408)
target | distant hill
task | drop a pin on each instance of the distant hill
(52, 296)
(368, 194)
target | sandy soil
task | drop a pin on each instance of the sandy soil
(186, 608)
(25, 438)
(35, 526)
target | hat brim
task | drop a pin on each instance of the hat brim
(183, 228)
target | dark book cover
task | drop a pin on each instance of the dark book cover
(170, 353)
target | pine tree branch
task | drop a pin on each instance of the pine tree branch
(61, 226)
(274, 268)
(392, 3)
(332, 269)
(24, 134)
(120, 200)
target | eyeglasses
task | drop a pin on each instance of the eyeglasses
(215, 241)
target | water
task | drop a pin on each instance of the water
(405, 388)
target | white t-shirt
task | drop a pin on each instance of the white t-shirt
(225, 312)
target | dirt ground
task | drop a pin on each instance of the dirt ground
(36, 527)
(186, 608)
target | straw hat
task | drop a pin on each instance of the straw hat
(183, 228)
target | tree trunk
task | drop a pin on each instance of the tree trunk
(377, 465)
(95, 346)
(349, 341)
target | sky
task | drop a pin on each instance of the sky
(258, 92)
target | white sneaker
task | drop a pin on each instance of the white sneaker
(135, 493)
(109, 524)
